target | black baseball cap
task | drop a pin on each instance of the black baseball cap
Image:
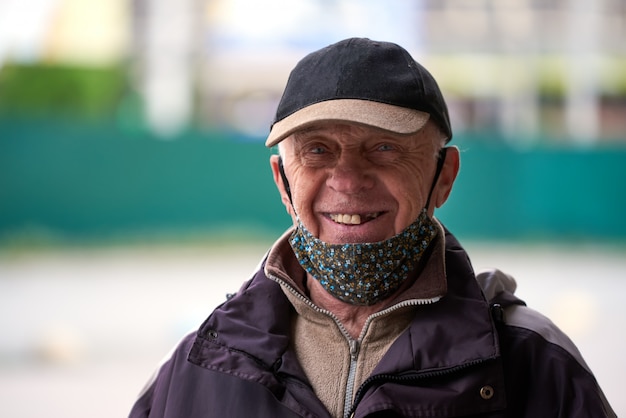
(361, 81)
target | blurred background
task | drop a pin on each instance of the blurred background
(135, 189)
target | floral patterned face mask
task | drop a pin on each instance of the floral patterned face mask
(364, 273)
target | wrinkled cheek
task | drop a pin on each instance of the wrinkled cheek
(304, 213)
(409, 208)
(304, 195)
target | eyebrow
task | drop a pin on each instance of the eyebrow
(305, 132)
(314, 131)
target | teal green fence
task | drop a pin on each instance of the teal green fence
(63, 180)
(554, 192)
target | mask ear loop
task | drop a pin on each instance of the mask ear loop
(283, 176)
(440, 160)
(281, 169)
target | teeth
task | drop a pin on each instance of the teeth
(344, 218)
(354, 219)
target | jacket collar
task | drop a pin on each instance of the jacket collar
(458, 330)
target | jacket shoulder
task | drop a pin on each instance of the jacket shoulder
(543, 365)
(153, 392)
(499, 288)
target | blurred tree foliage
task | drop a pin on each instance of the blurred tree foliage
(41, 90)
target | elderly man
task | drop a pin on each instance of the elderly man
(368, 306)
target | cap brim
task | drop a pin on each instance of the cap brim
(388, 117)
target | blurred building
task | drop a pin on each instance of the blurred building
(530, 67)
(526, 69)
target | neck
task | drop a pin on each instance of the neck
(352, 317)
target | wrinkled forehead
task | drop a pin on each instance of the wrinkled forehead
(339, 130)
(352, 134)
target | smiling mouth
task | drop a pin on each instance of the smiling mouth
(353, 218)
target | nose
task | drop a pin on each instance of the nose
(352, 174)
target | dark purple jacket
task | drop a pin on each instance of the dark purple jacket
(459, 358)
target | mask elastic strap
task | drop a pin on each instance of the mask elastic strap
(281, 169)
(440, 160)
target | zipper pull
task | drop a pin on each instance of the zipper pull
(354, 349)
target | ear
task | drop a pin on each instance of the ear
(280, 185)
(447, 176)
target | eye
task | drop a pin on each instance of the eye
(386, 152)
(316, 153)
(385, 147)
(318, 149)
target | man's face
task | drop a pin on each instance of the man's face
(351, 183)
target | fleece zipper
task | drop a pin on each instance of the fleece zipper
(354, 345)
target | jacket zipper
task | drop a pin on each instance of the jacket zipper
(406, 379)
